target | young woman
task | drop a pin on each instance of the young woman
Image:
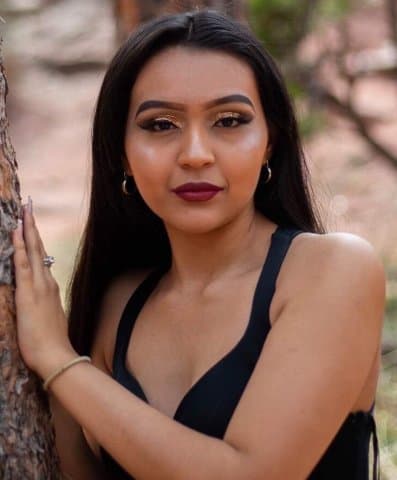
(230, 336)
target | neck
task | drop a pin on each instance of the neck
(199, 260)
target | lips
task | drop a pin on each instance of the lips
(197, 191)
(197, 187)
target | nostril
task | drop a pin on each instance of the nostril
(196, 159)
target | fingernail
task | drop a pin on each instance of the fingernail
(30, 205)
(17, 224)
(19, 227)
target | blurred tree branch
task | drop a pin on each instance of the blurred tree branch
(345, 106)
(348, 111)
(309, 77)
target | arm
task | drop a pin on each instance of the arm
(317, 358)
(318, 353)
(78, 449)
(77, 459)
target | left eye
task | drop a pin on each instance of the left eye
(161, 125)
(231, 121)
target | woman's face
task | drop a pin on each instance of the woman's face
(196, 116)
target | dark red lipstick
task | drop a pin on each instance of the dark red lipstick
(197, 191)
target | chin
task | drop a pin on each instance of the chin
(195, 224)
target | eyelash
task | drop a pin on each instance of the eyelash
(152, 123)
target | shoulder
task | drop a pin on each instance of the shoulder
(341, 253)
(334, 254)
(332, 264)
(112, 306)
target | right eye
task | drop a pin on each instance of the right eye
(158, 125)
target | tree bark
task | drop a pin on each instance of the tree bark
(130, 13)
(27, 441)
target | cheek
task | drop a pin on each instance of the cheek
(255, 141)
(243, 180)
(140, 154)
(245, 159)
(151, 165)
(147, 163)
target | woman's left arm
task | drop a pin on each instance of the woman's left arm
(316, 359)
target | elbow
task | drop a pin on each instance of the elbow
(247, 467)
(252, 468)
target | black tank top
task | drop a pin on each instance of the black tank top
(209, 405)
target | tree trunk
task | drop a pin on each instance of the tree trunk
(27, 442)
(129, 13)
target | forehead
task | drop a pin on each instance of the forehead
(193, 76)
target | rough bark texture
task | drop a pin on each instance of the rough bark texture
(129, 13)
(27, 442)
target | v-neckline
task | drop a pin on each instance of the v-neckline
(158, 273)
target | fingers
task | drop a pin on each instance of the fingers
(33, 250)
(32, 242)
(23, 271)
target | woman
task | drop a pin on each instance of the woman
(256, 335)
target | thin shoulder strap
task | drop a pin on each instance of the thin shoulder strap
(130, 313)
(260, 321)
(281, 242)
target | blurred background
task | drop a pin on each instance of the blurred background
(340, 61)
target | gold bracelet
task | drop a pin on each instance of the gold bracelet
(63, 368)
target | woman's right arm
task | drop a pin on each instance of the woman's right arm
(78, 461)
(79, 451)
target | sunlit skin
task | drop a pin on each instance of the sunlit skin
(212, 128)
(321, 359)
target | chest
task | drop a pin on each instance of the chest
(177, 340)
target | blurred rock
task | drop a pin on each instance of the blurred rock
(67, 32)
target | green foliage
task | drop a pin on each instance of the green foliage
(280, 23)
(295, 89)
(275, 22)
(310, 123)
(334, 8)
(391, 307)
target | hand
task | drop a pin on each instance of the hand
(41, 321)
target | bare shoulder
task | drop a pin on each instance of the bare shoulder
(113, 303)
(328, 268)
(331, 259)
(337, 246)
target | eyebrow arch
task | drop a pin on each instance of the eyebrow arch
(179, 106)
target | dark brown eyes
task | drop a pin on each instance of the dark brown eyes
(161, 125)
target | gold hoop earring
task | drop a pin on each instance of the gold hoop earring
(269, 172)
(124, 185)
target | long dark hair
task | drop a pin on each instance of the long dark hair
(121, 232)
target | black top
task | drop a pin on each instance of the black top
(209, 405)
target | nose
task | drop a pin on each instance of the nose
(196, 149)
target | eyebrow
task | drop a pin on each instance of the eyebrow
(179, 106)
